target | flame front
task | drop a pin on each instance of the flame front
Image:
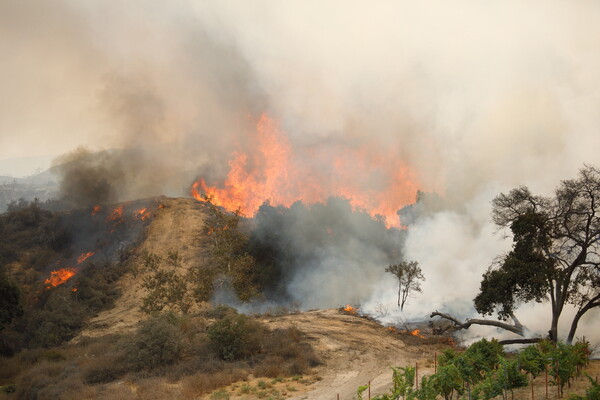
(371, 179)
(350, 309)
(143, 214)
(117, 213)
(59, 277)
(85, 256)
(417, 333)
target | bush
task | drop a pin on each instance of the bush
(236, 337)
(156, 343)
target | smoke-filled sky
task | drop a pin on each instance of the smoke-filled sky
(476, 97)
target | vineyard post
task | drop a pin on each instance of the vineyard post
(369, 390)
(469, 389)
(532, 397)
(546, 382)
(417, 374)
(558, 392)
(338, 396)
(435, 362)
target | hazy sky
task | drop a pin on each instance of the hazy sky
(466, 88)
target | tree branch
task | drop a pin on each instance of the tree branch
(517, 328)
(520, 341)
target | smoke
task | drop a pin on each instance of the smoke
(475, 97)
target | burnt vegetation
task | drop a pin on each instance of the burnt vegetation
(35, 315)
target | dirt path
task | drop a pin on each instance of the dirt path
(354, 351)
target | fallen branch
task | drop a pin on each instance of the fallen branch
(520, 341)
(516, 328)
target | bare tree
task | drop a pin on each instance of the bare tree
(409, 276)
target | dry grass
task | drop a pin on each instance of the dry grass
(100, 367)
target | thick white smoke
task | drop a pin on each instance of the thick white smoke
(478, 97)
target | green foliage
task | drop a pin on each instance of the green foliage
(532, 360)
(488, 372)
(477, 361)
(592, 393)
(509, 376)
(427, 390)
(447, 380)
(156, 343)
(360, 391)
(563, 362)
(409, 276)
(229, 260)
(236, 336)
(10, 300)
(554, 243)
(484, 355)
(29, 231)
(166, 287)
(403, 380)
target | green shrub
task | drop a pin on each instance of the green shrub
(236, 337)
(533, 360)
(592, 393)
(156, 343)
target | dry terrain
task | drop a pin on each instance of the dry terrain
(354, 350)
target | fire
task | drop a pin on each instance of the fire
(96, 210)
(116, 214)
(350, 309)
(371, 179)
(416, 333)
(59, 277)
(142, 214)
(85, 256)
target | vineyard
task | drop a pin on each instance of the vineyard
(484, 372)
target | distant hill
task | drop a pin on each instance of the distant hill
(42, 186)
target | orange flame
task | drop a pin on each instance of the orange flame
(350, 309)
(96, 210)
(116, 214)
(416, 333)
(85, 256)
(59, 277)
(142, 214)
(372, 180)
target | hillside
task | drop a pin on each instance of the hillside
(175, 225)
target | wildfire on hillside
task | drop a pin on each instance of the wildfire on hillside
(96, 210)
(372, 180)
(116, 214)
(351, 310)
(59, 277)
(414, 332)
(142, 214)
(85, 256)
(417, 333)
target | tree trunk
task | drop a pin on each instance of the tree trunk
(594, 302)
(554, 327)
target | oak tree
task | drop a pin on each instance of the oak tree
(555, 254)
